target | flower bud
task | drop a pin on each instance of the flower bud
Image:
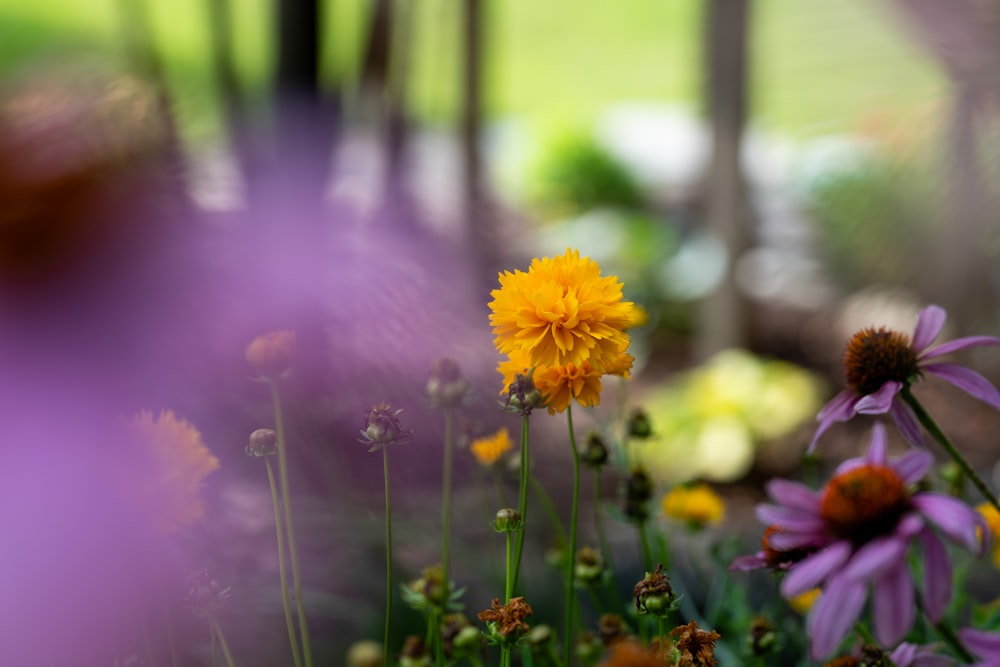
(414, 653)
(762, 637)
(382, 428)
(595, 454)
(638, 491)
(589, 566)
(653, 595)
(539, 638)
(365, 653)
(612, 628)
(638, 425)
(205, 595)
(446, 387)
(263, 442)
(270, 355)
(508, 520)
(587, 647)
(522, 396)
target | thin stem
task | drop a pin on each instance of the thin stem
(935, 430)
(647, 551)
(211, 631)
(549, 509)
(599, 522)
(286, 500)
(509, 581)
(522, 497)
(571, 554)
(388, 553)
(217, 629)
(954, 643)
(285, 601)
(449, 427)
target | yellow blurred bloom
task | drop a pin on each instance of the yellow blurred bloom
(993, 523)
(562, 312)
(697, 505)
(163, 476)
(488, 450)
(803, 603)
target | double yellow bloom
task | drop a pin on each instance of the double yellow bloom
(565, 322)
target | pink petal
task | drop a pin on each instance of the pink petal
(788, 519)
(833, 615)
(985, 645)
(906, 421)
(960, 344)
(953, 517)
(937, 576)
(892, 605)
(967, 380)
(803, 540)
(839, 409)
(875, 558)
(879, 402)
(810, 572)
(793, 494)
(876, 448)
(912, 466)
(930, 321)
(749, 563)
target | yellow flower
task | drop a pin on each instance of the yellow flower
(271, 354)
(803, 603)
(697, 505)
(560, 384)
(163, 475)
(993, 523)
(562, 312)
(489, 450)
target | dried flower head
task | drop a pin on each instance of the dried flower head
(506, 621)
(262, 442)
(446, 387)
(696, 647)
(205, 595)
(165, 463)
(762, 639)
(488, 450)
(653, 595)
(383, 428)
(612, 628)
(414, 653)
(270, 355)
(459, 635)
(521, 396)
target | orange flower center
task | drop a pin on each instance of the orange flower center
(863, 503)
(876, 356)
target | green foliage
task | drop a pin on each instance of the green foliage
(875, 220)
(576, 174)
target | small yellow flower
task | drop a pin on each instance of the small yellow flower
(488, 450)
(992, 518)
(271, 354)
(561, 311)
(803, 603)
(164, 470)
(697, 504)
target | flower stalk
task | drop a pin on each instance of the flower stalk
(223, 644)
(282, 568)
(928, 423)
(446, 483)
(522, 497)
(570, 561)
(388, 552)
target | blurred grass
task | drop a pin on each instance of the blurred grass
(817, 66)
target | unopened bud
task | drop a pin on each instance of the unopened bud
(508, 520)
(263, 442)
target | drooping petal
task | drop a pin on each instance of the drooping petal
(804, 540)
(892, 604)
(985, 645)
(793, 494)
(913, 465)
(833, 616)
(874, 558)
(937, 575)
(879, 402)
(877, 446)
(906, 421)
(789, 519)
(930, 321)
(749, 563)
(960, 344)
(811, 571)
(953, 517)
(968, 381)
(839, 409)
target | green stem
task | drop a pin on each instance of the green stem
(285, 601)
(388, 554)
(217, 629)
(509, 581)
(647, 551)
(522, 496)
(449, 427)
(599, 522)
(935, 430)
(279, 428)
(953, 642)
(550, 509)
(571, 554)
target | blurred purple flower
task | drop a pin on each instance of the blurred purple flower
(916, 655)
(856, 532)
(983, 645)
(880, 363)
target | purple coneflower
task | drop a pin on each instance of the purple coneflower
(855, 533)
(984, 645)
(880, 363)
